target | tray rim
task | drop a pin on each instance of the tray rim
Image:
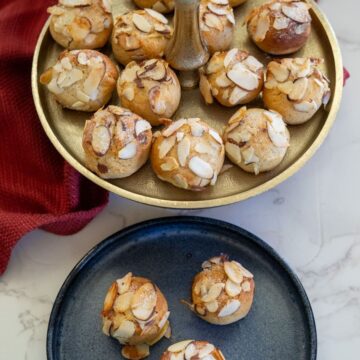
(210, 203)
(174, 220)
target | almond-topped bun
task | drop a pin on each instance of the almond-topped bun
(223, 292)
(256, 139)
(81, 79)
(161, 6)
(116, 142)
(234, 3)
(192, 349)
(233, 77)
(81, 24)
(150, 89)
(188, 154)
(136, 314)
(296, 88)
(217, 23)
(280, 27)
(140, 35)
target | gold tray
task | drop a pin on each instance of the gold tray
(64, 127)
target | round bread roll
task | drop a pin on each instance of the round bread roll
(192, 349)
(223, 292)
(188, 154)
(280, 27)
(217, 23)
(235, 3)
(81, 24)
(161, 6)
(140, 35)
(233, 77)
(136, 314)
(116, 142)
(296, 88)
(256, 139)
(150, 89)
(81, 79)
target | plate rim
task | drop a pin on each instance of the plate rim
(176, 220)
(210, 203)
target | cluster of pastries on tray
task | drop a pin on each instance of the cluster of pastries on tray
(136, 312)
(187, 153)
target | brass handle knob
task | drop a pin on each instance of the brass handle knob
(186, 51)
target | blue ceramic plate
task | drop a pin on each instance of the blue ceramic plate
(280, 325)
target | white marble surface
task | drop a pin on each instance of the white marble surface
(312, 220)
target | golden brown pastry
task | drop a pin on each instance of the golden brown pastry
(232, 77)
(140, 35)
(116, 142)
(136, 314)
(296, 88)
(81, 79)
(223, 292)
(150, 89)
(217, 23)
(256, 139)
(81, 24)
(192, 349)
(235, 3)
(188, 154)
(161, 6)
(280, 26)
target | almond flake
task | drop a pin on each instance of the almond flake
(71, 77)
(231, 56)
(156, 15)
(75, 3)
(232, 289)
(141, 126)
(190, 352)
(174, 127)
(223, 81)
(212, 306)
(233, 152)
(180, 346)
(183, 150)
(170, 164)
(218, 10)
(213, 21)
(205, 89)
(141, 23)
(220, 2)
(230, 308)
(213, 293)
(106, 5)
(180, 181)
(101, 140)
(246, 286)
(158, 105)
(233, 271)
(286, 87)
(249, 156)
(82, 58)
(213, 66)
(124, 283)
(216, 136)
(281, 23)
(92, 82)
(197, 129)
(262, 27)
(214, 179)
(297, 13)
(144, 301)
(305, 106)
(129, 93)
(66, 64)
(110, 298)
(107, 323)
(163, 320)
(230, 16)
(253, 64)
(277, 138)
(299, 89)
(125, 331)
(179, 136)
(237, 95)
(166, 145)
(157, 73)
(243, 77)
(54, 88)
(206, 350)
(280, 72)
(201, 168)
(245, 272)
(123, 301)
(129, 43)
(128, 151)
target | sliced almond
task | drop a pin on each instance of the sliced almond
(237, 95)
(200, 310)
(75, 3)
(214, 179)
(70, 78)
(157, 73)
(125, 331)
(286, 87)
(233, 152)
(233, 271)
(223, 81)
(190, 351)
(244, 78)
(205, 89)
(129, 43)
(230, 308)
(163, 320)
(169, 164)
(262, 27)
(197, 129)
(82, 58)
(301, 28)
(220, 2)
(276, 6)
(295, 12)
(215, 135)
(299, 89)
(129, 93)
(245, 271)
(305, 106)
(144, 301)
(180, 346)
(232, 289)
(92, 82)
(141, 126)
(106, 5)
(205, 351)
(128, 151)
(249, 156)
(276, 120)
(66, 64)
(180, 181)
(107, 323)
(158, 105)
(141, 23)
(212, 306)
(123, 302)
(281, 22)
(218, 10)
(110, 298)
(213, 66)
(201, 168)
(101, 140)
(280, 72)
(213, 293)
(230, 57)
(156, 15)
(54, 88)
(240, 136)
(179, 136)
(230, 16)
(246, 286)
(166, 145)
(124, 283)
(183, 150)
(253, 64)
(213, 21)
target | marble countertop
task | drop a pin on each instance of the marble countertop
(312, 220)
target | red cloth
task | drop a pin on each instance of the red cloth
(38, 189)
